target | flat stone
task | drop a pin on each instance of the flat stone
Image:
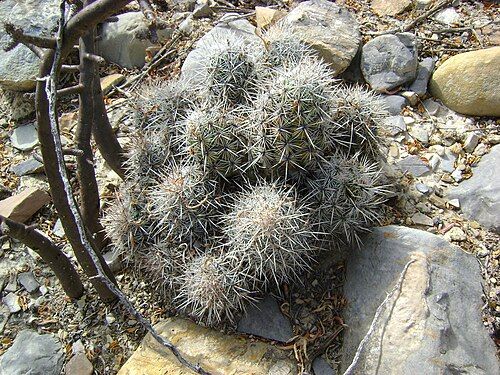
(28, 281)
(34, 354)
(480, 195)
(390, 7)
(202, 9)
(79, 365)
(114, 261)
(11, 300)
(24, 137)
(420, 134)
(421, 219)
(108, 82)
(447, 162)
(448, 16)
(265, 16)
(22, 206)
(126, 41)
(58, 229)
(30, 166)
(414, 165)
(321, 367)
(216, 352)
(266, 320)
(187, 25)
(424, 72)
(433, 108)
(469, 83)
(389, 61)
(431, 322)
(457, 175)
(455, 234)
(423, 188)
(394, 104)
(393, 125)
(471, 142)
(19, 66)
(329, 29)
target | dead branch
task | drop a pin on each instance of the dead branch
(72, 90)
(20, 36)
(48, 251)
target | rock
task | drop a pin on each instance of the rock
(19, 66)
(68, 121)
(79, 365)
(329, 29)
(125, 42)
(187, 25)
(457, 175)
(114, 260)
(448, 16)
(24, 137)
(4, 317)
(34, 354)
(58, 229)
(353, 71)
(266, 320)
(108, 82)
(423, 4)
(455, 234)
(390, 7)
(414, 165)
(30, 166)
(230, 27)
(389, 61)
(432, 323)
(479, 196)
(423, 188)
(202, 9)
(469, 83)
(22, 206)
(28, 281)
(394, 125)
(455, 203)
(11, 300)
(471, 142)
(420, 134)
(321, 367)
(394, 104)
(216, 352)
(433, 108)
(421, 219)
(265, 16)
(424, 72)
(17, 106)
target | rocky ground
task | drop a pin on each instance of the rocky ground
(447, 163)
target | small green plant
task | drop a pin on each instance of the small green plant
(238, 177)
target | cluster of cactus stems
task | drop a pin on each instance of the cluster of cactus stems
(237, 179)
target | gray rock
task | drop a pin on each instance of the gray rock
(420, 133)
(471, 142)
(447, 163)
(329, 29)
(4, 317)
(114, 260)
(394, 125)
(17, 106)
(29, 166)
(421, 219)
(266, 320)
(433, 108)
(388, 61)
(448, 16)
(24, 137)
(414, 165)
(457, 175)
(479, 196)
(58, 229)
(424, 72)
(230, 27)
(423, 188)
(126, 41)
(28, 281)
(79, 365)
(186, 26)
(394, 104)
(432, 323)
(33, 354)
(202, 9)
(19, 66)
(11, 300)
(321, 367)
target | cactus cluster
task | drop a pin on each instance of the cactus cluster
(238, 178)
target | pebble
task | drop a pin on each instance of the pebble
(411, 96)
(408, 120)
(434, 162)
(457, 175)
(11, 300)
(421, 219)
(448, 16)
(455, 234)
(481, 149)
(28, 281)
(471, 142)
(110, 319)
(24, 137)
(423, 188)
(454, 203)
(414, 165)
(187, 25)
(29, 166)
(420, 134)
(394, 104)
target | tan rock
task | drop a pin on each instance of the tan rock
(390, 7)
(79, 365)
(108, 82)
(265, 16)
(22, 206)
(216, 352)
(469, 82)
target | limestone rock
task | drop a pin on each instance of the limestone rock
(394, 104)
(414, 165)
(388, 61)
(79, 365)
(125, 42)
(448, 16)
(28, 281)
(265, 16)
(266, 320)
(479, 196)
(24, 137)
(390, 7)
(19, 66)
(424, 72)
(331, 30)
(469, 82)
(214, 351)
(432, 323)
(108, 82)
(22, 206)
(26, 167)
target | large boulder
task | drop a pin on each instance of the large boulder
(19, 67)
(469, 82)
(213, 350)
(479, 196)
(331, 30)
(414, 307)
(126, 40)
(389, 61)
(33, 354)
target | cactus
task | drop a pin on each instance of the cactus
(349, 192)
(284, 47)
(267, 233)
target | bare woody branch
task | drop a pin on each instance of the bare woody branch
(20, 36)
